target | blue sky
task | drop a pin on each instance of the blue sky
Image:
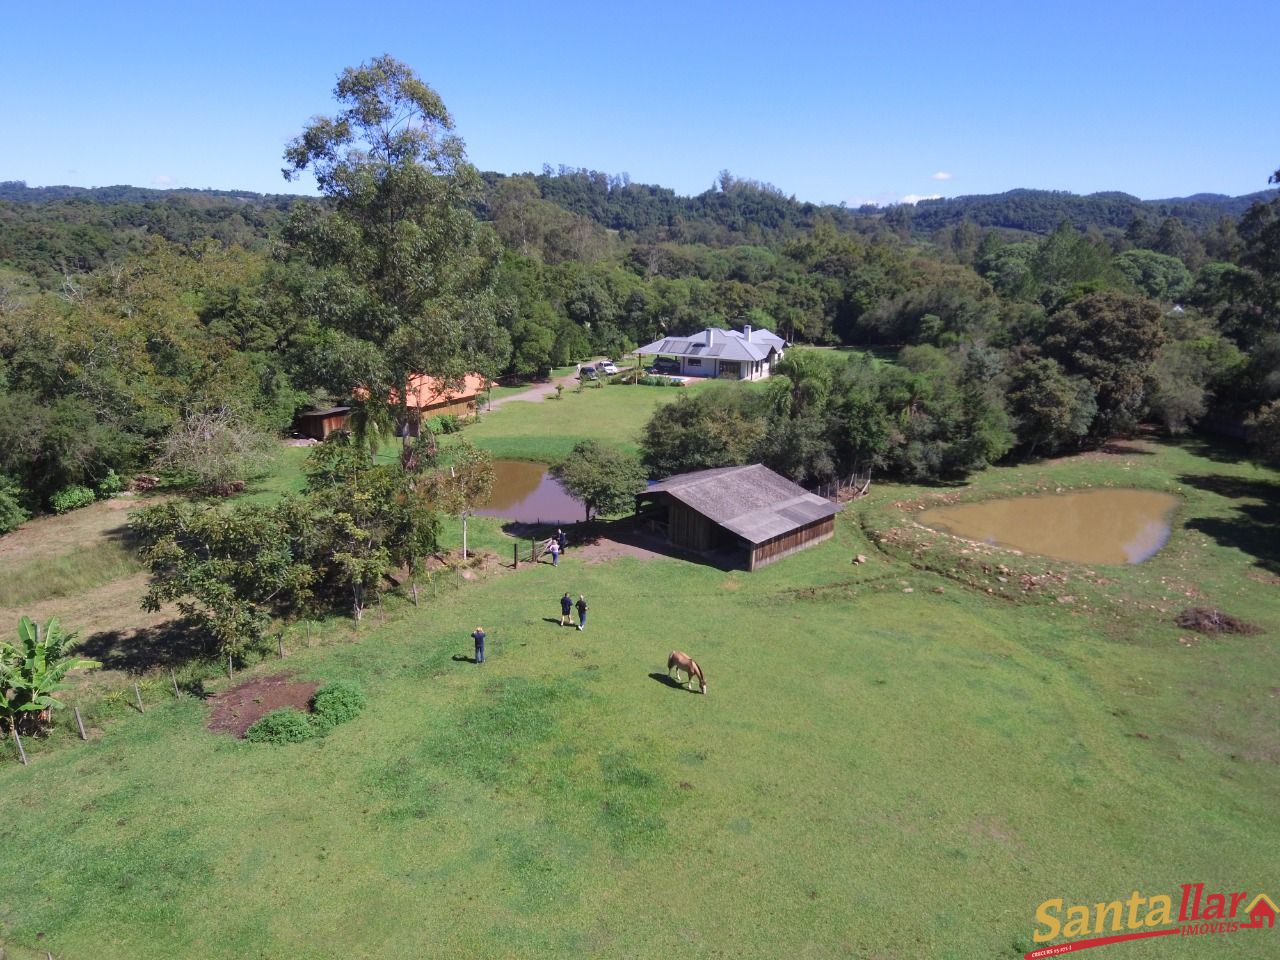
(831, 102)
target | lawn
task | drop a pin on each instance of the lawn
(547, 430)
(899, 759)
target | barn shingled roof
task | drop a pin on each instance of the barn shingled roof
(752, 501)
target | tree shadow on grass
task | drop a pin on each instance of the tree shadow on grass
(1255, 526)
(170, 644)
(1218, 449)
(1121, 448)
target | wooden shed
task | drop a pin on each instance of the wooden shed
(748, 508)
(318, 424)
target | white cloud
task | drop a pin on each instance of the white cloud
(163, 180)
(914, 198)
(941, 175)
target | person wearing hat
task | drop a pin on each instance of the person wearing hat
(478, 637)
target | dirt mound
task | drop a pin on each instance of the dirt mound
(237, 709)
(1205, 620)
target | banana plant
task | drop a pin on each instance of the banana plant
(32, 670)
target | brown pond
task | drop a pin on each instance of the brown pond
(1095, 526)
(526, 492)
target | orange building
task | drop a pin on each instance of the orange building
(433, 397)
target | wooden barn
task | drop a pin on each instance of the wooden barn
(318, 424)
(751, 509)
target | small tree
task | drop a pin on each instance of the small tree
(229, 571)
(604, 479)
(33, 670)
(465, 485)
(216, 449)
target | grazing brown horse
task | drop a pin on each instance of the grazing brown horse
(682, 661)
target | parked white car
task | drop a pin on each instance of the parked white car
(607, 367)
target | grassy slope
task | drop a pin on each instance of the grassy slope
(875, 773)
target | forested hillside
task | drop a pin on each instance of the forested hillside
(1022, 324)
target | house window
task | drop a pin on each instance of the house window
(730, 368)
(694, 361)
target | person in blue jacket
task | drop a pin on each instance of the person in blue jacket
(478, 637)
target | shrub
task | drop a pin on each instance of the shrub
(281, 726)
(71, 498)
(335, 703)
(12, 513)
(110, 485)
(448, 423)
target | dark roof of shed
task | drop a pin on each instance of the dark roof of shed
(324, 413)
(752, 501)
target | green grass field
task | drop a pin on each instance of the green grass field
(548, 429)
(896, 760)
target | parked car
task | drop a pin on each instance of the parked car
(665, 366)
(588, 373)
(607, 367)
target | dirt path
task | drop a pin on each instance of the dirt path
(540, 391)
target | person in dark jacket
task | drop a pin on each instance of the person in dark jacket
(566, 610)
(562, 540)
(582, 612)
(478, 637)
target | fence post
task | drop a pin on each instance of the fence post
(138, 693)
(280, 645)
(79, 723)
(174, 677)
(22, 754)
(230, 670)
(515, 556)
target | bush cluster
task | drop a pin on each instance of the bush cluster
(335, 703)
(110, 485)
(332, 704)
(282, 726)
(649, 380)
(446, 423)
(71, 498)
(12, 512)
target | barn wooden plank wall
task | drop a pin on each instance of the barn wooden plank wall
(787, 544)
(688, 528)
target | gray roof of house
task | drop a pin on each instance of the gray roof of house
(752, 501)
(725, 345)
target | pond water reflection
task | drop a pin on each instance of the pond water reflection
(1093, 526)
(526, 492)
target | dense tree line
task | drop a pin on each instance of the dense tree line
(126, 325)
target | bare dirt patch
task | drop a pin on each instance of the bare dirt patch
(606, 548)
(1207, 620)
(237, 709)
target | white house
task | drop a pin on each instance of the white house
(728, 354)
